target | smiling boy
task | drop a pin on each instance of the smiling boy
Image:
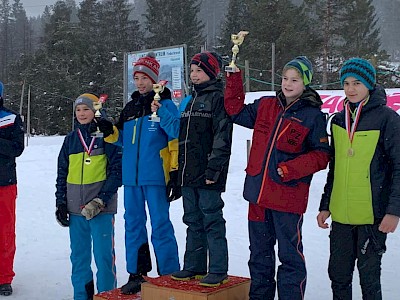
(363, 185)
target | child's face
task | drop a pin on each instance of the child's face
(355, 90)
(292, 85)
(84, 114)
(143, 83)
(197, 75)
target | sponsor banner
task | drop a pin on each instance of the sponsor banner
(333, 99)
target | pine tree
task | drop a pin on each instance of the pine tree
(174, 22)
(237, 19)
(279, 22)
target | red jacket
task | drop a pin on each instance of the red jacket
(291, 137)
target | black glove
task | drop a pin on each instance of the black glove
(173, 189)
(105, 126)
(62, 215)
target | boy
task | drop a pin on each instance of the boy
(363, 185)
(11, 146)
(289, 145)
(205, 137)
(88, 177)
(149, 162)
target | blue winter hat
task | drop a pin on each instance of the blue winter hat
(303, 65)
(360, 69)
(1, 89)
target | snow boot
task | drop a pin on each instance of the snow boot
(5, 289)
(185, 275)
(133, 285)
(214, 279)
(89, 287)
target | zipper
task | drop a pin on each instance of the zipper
(186, 137)
(272, 146)
(139, 123)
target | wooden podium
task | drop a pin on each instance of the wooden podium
(164, 288)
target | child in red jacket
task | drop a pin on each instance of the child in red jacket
(289, 145)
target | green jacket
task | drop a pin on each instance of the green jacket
(364, 185)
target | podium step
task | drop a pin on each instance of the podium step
(165, 288)
(116, 295)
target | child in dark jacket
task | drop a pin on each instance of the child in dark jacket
(88, 177)
(205, 137)
(363, 186)
(289, 145)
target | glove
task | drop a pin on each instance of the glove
(93, 208)
(173, 189)
(62, 215)
(105, 126)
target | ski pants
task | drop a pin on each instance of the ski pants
(206, 231)
(82, 232)
(348, 243)
(162, 231)
(8, 196)
(267, 226)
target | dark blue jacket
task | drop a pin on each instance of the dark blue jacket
(11, 144)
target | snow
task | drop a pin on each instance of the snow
(42, 263)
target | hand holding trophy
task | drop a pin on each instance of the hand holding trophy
(98, 106)
(237, 40)
(157, 88)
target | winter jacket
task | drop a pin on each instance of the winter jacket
(150, 151)
(291, 137)
(11, 144)
(362, 188)
(81, 178)
(205, 137)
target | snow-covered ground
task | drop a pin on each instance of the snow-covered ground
(42, 263)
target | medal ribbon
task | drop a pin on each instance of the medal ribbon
(87, 149)
(352, 129)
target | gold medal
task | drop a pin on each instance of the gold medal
(350, 152)
(88, 161)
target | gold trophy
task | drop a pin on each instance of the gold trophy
(157, 88)
(237, 40)
(97, 107)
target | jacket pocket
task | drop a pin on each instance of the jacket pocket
(292, 137)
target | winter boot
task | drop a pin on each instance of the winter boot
(5, 289)
(214, 279)
(89, 287)
(133, 285)
(185, 275)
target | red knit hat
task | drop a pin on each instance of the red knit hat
(148, 65)
(210, 62)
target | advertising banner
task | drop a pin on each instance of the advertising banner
(172, 68)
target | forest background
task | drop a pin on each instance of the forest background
(72, 48)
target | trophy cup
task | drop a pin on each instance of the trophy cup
(157, 88)
(237, 40)
(97, 107)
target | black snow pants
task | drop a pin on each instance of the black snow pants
(348, 244)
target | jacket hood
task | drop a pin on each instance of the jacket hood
(309, 97)
(209, 86)
(165, 94)
(91, 127)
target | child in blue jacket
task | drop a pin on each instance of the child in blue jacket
(88, 177)
(149, 166)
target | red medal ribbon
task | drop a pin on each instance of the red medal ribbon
(87, 149)
(351, 129)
